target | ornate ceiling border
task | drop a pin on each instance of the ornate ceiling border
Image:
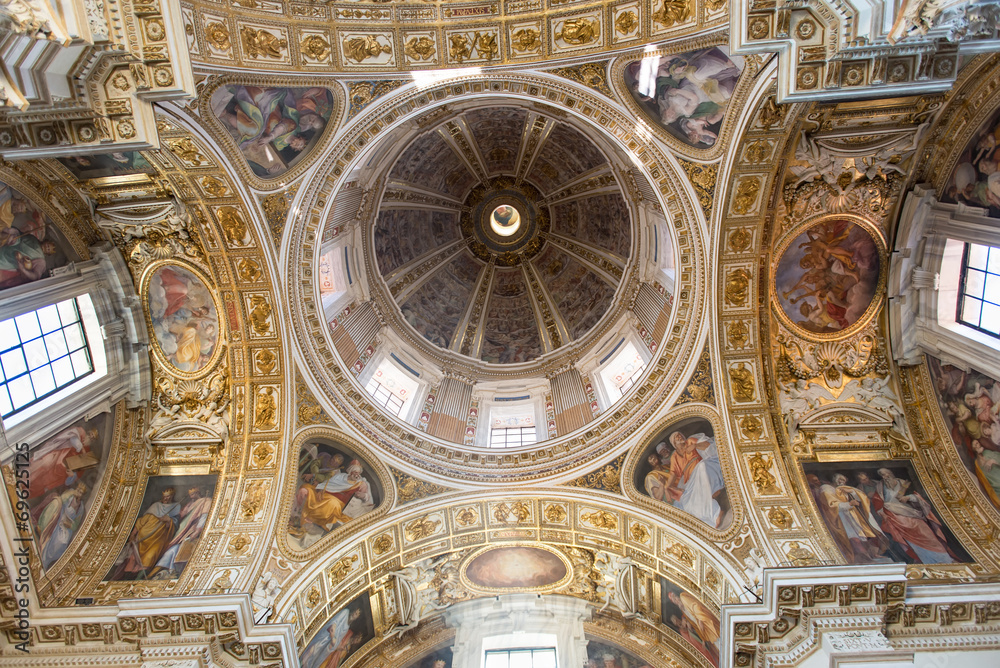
(408, 444)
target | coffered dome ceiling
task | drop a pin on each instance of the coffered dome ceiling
(480, 217)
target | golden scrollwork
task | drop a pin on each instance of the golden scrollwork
(234, 229)
(214, 187)
(737, 334)
(248, 270)
(579, 31)
(700, 387)
(188, 151)
(466, 517)
(266, 361)
(703, 178)
(752, 427)
(525, 40)
(222, 583)
(362, 47)
(737, 286)
(779, 517)
(239, 543)
(265, 415)
(760, 472)
(519, 511)
(607, 477)
(639, 533)
(682, 553)
(260, 314)
(673, 12)
(799, 555)
(341, 569)
(253, 499)
(218, 36)
(739, 239)
(382, 544)
(315, 47)
(741, 378)
(411, 489)
(746, 195)
(555, 513)
(421, 528)
(601, 519)
(262, 455)
(626, 22)
(259, 42)
(313, 597)
(420, 48)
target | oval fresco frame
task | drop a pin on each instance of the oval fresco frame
(878, 298)
(228, 148)
(544, 589)
(220, 345)
(748, 74)
(288, 486)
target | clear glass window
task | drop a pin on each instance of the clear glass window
(384, 398)
(979, 298)
(41, 352)
(512, 437)
(544, 657)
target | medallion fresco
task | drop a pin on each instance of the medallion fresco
(828, 276)
(274, 128)
(517, 568)
(976, 178)
(350, 628)
(603, 655)
(686, 94)
(64, 471)
(691, 618)
(183, 317)
(335, 486)
(166, 534)
(878, 513)
(30, 244)
(86, 167)
(681, 467)
(970, 403)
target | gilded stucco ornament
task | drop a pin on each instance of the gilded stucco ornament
(579, 31)
(259, 43)
(363, 47)
(673, 12)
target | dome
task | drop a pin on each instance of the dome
(502, 234)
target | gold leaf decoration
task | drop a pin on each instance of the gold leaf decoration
(703, 178)
(700, 387)
(607, 478)
(592, 75)
(411, 489)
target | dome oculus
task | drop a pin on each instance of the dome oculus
(505, 220)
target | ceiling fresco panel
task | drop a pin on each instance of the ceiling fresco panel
(581, 296)
(565, 155)
(436, 308)
(510, 332)
(404, 235)
(32, 246)
(498, 132)
(431, 164)
(601, 220)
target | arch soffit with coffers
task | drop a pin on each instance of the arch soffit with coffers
(660, 547)
(328, 380)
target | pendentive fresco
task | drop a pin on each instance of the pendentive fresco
(31, 246)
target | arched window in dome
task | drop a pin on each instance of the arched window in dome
(393, 388)
(978, 295)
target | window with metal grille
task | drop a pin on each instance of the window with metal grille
(542, 657)
(629, 381)
(41, 352)
(512, 437)
(979, 298)
(384, 398)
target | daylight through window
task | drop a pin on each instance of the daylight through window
(979, 301)
(521, 658)
(41, 352)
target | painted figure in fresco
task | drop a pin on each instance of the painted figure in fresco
(688, 93)
(107, 164)
(976, 179)
(59, 521)
(322, 497)
(848, 513)
(273, 126)
(340, 641)
(27, 250)
(692, 481)
(151, 535)
(193, 516)
(51, 464)
(908, 517)
(183, 317)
